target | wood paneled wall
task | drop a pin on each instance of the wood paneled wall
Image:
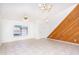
(68, 30)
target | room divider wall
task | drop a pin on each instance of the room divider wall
(68, 29)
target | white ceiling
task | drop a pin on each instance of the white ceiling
(19, 10)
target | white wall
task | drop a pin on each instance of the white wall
(8, 28)
(18, 11)
(49, 24)
(0, 32)
(40, 23)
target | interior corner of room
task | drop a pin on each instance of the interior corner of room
(35, 24)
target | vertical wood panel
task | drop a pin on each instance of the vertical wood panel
(68, 30)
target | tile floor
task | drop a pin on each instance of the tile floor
(39, 47)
